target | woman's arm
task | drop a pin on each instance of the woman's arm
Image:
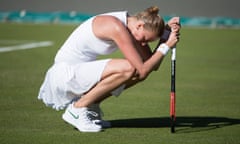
(110, 28)
(144, 50)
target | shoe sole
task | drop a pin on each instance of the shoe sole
(102, 123)
(69, 120)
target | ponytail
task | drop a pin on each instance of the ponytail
(152, 10)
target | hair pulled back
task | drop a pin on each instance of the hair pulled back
(153, 21)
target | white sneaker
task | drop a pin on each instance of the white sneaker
(97, 116)
(78, 117)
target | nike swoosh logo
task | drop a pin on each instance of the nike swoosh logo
(73, 115)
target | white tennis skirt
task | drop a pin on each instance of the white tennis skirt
(63, 83)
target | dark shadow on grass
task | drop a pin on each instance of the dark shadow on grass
(183, 124)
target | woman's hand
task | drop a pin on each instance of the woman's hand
(174, 24)
(173, 38)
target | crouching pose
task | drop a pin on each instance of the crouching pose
(79, 82)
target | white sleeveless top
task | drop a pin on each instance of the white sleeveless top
(83, 46)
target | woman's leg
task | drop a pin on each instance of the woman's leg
(116, 72)
(130, 83)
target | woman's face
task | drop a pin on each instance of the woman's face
(142, 35)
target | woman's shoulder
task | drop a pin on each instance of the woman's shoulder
(117, 16)
(108, 20)
(105, 26)
(117, 13)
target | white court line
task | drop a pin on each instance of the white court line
(12, 41)
(26, 46)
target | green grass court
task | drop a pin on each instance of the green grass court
(208, 95)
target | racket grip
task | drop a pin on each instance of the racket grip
(172, 104)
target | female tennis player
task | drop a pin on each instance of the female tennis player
(79, 81)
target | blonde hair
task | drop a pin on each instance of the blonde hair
(153, 21)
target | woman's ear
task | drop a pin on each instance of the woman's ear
(140, 24)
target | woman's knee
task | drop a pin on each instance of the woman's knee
(127, 69)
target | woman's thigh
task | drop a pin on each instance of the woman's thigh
(117, 66)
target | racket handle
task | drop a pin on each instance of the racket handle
(173, 90)
(173, 57)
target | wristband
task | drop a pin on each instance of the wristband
(163, 48)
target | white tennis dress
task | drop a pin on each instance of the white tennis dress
(76, 68)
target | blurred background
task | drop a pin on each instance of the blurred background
(208, 8)
(193, 12)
